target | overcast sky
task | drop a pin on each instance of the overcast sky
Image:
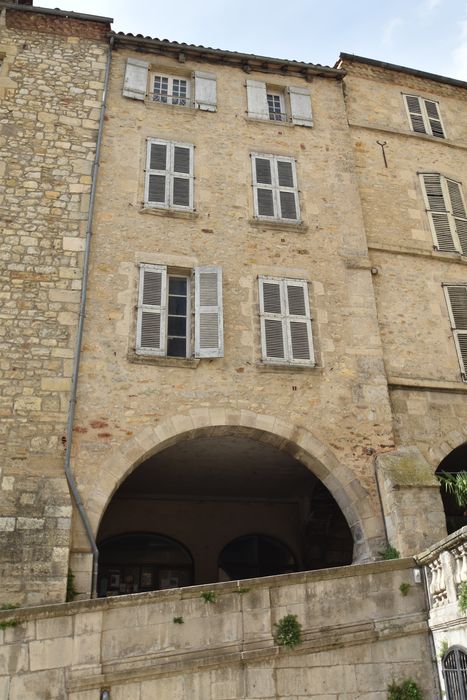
(430, 35)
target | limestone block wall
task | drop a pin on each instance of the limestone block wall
(328, 250)
(51, 82)
(358, 634)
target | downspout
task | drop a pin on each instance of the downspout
(77, 357)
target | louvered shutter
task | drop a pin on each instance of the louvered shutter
(459, 213)
(300, 106)
(434, 118)
(205, 91)
(272, 319)
(257, 100)
(151, 321)
(209, 328)
(287, 189)
(414, 109)
(157, 176)
(182, 176)
(136, 79)
(456, 296)
(437, 209)
(263, 186)
(300, 338)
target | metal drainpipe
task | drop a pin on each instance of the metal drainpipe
(77, 357)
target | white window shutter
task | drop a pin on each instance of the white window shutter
(272, 319)
(300, 106)
(156, 191)
(456, 297)
(437, 208)
(209, 327)
(136, 79)
(205, 91)
(414, 109)
(151, 323)
(434, 118)
(300, 339)
(459, 213)
(181, 195)
(257, 100)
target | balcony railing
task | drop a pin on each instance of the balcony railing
(446, 568)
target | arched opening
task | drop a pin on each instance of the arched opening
(454, 462)
(137, 562)
(455, 673)
(252, 556)
(219, 488)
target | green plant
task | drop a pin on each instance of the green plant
(407, 690)
(404, 588)
(241, 591)
(455, 484)
(288, 631)
(443, 647)
(178, 620)
(71, 591)
(208, 596)
(390, 552)
(463, 597)
(8, 606)
(8, 623)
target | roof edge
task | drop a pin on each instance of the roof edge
(55, 12)
(400, 69)
(247, 62)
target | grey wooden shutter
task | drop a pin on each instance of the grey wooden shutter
(414, 109)
(437, 210)
(151, 323)
(157, 175)
(209, 326)
(434, 118)
(272, 320)
(300, 106)
(300, 339)
(287, 189)
(257, 100)
(264, 197)
(136, 79)
(205, 91)
(456, 296)
(458, 212)
(182, 176)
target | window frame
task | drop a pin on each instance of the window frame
(448, 210)
(283, 114)
(286, 318)
(428, 130)
(153, 74)
(275, 188)
(170, 174)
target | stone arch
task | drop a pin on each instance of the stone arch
(354, 501)
(450, 442)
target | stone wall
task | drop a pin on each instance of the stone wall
(358, 634)
(50, 94)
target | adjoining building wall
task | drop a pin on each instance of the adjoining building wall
(51, 81)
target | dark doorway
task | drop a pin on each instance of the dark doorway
(255, 555)
(454, 462)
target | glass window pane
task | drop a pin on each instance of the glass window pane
(177, 306)
(178, 285)
(176, 347)
(177, 326)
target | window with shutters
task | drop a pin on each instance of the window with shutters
(144, 82)
(456, 298)
(286, 336)
(275, 191)
(179, 312)
(446, 211)
(424, 116)
(169, 175)
(271, 103)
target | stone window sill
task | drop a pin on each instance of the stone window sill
(300, 227)
(180, 363)
(171, 213)
(270, 367)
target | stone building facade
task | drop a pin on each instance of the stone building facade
(256, 363)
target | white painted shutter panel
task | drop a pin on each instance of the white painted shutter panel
(263, 185)
(205, 91)
(287, 189)
(182, 181)
(457, 304)
(136, 79)
(151, 324)
(458, 212)
(437, 209)
(300, 106)
(414, 108)
(434, 118)
(209, 327)
(157, 167)
(299, 322)
(257, 100)
(272, 319)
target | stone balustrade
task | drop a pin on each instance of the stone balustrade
(446, 568)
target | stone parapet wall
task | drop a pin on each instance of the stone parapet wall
(51, 84)
(359, 633)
